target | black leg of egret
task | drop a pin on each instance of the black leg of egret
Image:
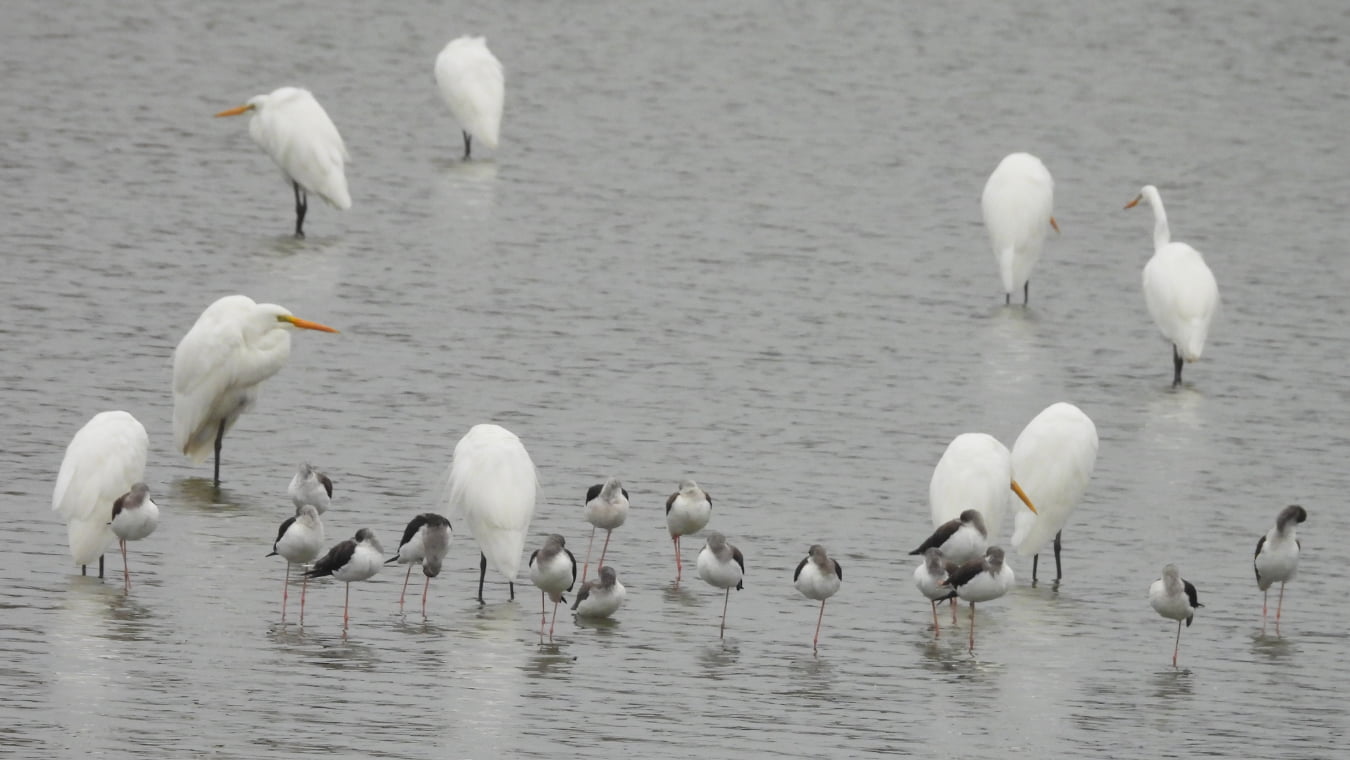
(1176, 366)
(482, 572)
(100, 565)
(1007, 299)
(1035, 560)
(1058, 573)
(84, 569)
(301, 206)
(1026, 292)
(466, 146)
(220, 439)
(512, 585)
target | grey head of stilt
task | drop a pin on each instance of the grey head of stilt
(368, 536)
(608, 577)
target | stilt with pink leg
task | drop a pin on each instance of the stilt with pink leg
(723, 566)
(1276, 559)
(981, 580)
(1174, 598)
(687, 511)
(554, 570)
(606, 508)
(425, 541)
(930, 578)
(818, 577)
(134, 516)
(356, 559)
(299, 542)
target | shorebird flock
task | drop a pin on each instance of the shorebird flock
(237, 344)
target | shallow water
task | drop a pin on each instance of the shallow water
(740, 243)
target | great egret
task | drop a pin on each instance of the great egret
(294, 130)
(553, 570)
(493, 486)
(1175, 599)
(817, 577)
(975, 472)
(930, 577)
(357, 559)
(1018, 205)
(600, 598)
(103, 461)
(1276, 559)
(473, 86)
(721, 565)
(687, 511)
(1179, 289)
(234, 346)
(309, 486)
(425, 542)
(981, 580)
(606, 508)
(1053, 457)
(134, 516)
(299, 542)
(960, 540)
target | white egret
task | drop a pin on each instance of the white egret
(102, 462)
(1179, 289)
(975, 472)
(687, 511)
(981, 580)
(1174, 598)
(291, 127)
(234, 346)
(606, 508)
(1053, 457)
(473, 86)
(600, 598)
(357, 559)
(425, 542)
(299, 542)
(930, 577)
(723, 566)
(1018, 205)
(309, 486)
(135, 516)
(553, 570)
(817, 577)
(1276, 559)
(493, 486)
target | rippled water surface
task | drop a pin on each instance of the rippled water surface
(739, 242)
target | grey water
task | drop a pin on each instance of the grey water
(739, 242)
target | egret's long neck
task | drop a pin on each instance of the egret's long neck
(1162, 235)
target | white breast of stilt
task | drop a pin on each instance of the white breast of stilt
(602, 602)
(364, 564)
(815, 583)
(1170, 603)
(415, 549)
(302, 543)
(688, 515)
(720, 573)
(607, 515)
(927, 582)
(1278, 560)
(136, 523)
(965, 544)
(552, 574)
(987, 586)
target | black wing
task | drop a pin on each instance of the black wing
(625, 492)
(533, 554)
(583, 594)
(1191, 594)
(966, 573)
(939, 537)
(414, 525)
(740, 560)
(800, 565)
(671, 501)
(117, 505)
(574, 568)
(285, 525)
(336, 557)
(839, 570)
(1259, 543)
(327, 484)
(594, 491)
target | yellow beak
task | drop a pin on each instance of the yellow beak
(1023, 496)
(305, 324)
(1134, 202)
(236, 111)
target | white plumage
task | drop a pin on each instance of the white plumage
(1053, 457)
(1179, 288)
(1018, 205)
(600, 598)
(493, 487)
(102, 462)
(975, 472)
(309, 486)
(471, 81)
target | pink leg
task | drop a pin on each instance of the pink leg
(937, 629)
(1265, 595)
(553, 621)
(954, 606)
(587, 564)
(1177, 648)
(679, 568)
(1278, 607)
(425, 587)
(126, 572)
(972, 628)
(815, 643)
(721, 632)
(608, 533)
(285, 591)
(542, 616)
(304, 586)
(401, 594)
(345, 601)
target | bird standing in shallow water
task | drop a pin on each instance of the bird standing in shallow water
(554, 570)
(606, 508)
(474, 89)
(981, 580)
(817, 577)
(600, 598)
(1018, 204)
(1276, 559)
(294, 130)
(687, 511)
(134, 516)
(961, 540)
(1053, 457)
(425, 542)
(309, 486)
(299, 542)
(930, 577)
(102, 462)
(357, 559)
(721, 565)
(1176, 599)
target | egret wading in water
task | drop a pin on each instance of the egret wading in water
(1174, 598)
(817, 577)
(1276, 559)
(357, 559)
(1053, 457)
(723, 566)
(294, 130)
(1179, 289)
(975, 472)
(102, 462)
(930, 577)
(687, 511)
(1018, 205)
(425, 542)
(471, 81)
(234, 346)
(606, 508)
(134, 516)
(309, 486)
(553, 570)
(981, 580)
(299, 542)
(493, 486)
